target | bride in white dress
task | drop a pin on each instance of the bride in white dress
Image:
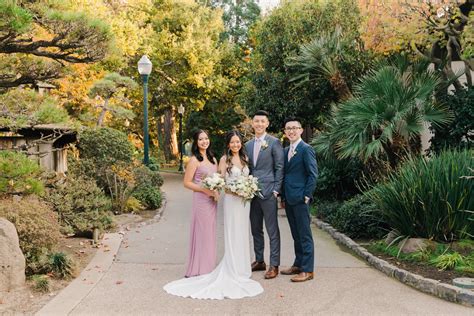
(231, 278)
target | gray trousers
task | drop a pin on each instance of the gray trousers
(260, 211)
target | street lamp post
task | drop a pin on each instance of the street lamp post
(144, 68)
(181, 112)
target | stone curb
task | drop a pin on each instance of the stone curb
(442, 290)
(72, 295)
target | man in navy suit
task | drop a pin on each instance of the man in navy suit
(301, 172)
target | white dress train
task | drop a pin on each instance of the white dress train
(231, 278)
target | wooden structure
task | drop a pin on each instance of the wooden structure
(46, 143)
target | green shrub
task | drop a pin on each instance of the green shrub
(41, 283)
(60, 264)
(121, 184)
(325, 210)
(37, 226)
(356, 219)
(19, 174)
(105, 146)
(458, 134)
(150, 196)
(448, 261)
(27, 107)
(51, 113)
(144, 176)
(429, 198)
(148, 183)
(153, 164)
(100, 149)
(80, 204)
(133, 205)
(337, 179)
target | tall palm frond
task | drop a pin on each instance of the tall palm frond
(389, 108)
(321, 58)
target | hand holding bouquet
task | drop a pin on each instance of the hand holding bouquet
(244, 186)
(213, 182)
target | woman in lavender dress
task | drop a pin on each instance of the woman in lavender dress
(202, 241)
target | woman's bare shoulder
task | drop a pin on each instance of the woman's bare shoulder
(193, 161)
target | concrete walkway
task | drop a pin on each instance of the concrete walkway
(152, 255)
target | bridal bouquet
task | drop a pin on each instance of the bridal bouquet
(244, 186)
(213, 182)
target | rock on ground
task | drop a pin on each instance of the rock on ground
(12, 261)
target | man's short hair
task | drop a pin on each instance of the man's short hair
(261, 113)
(292, 119)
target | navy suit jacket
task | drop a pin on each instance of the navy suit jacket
(301, 173)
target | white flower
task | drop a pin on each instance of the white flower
(264, 145)
(243, 186)
(440, 12)
(214, 182)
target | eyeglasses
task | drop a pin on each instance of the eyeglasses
(290, 129)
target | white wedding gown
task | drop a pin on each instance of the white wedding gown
(231, 278)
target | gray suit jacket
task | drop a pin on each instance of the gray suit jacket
(269, 168)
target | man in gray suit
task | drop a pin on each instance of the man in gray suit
(266, 163)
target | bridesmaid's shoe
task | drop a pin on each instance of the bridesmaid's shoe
(258, 266)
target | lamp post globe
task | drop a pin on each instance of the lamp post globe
(144, 69)
(181, 112)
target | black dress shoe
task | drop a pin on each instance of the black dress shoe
(258, 266)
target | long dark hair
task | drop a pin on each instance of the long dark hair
(195, 147)
(242, 152)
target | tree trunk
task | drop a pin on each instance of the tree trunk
(170, 146)
(392, 158)
(307, 133)
(100, 120)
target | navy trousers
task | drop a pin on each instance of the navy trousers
(300, 226)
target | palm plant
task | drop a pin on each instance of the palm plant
(321, 58)
(387, 114)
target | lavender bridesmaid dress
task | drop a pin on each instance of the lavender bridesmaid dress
(202, 241)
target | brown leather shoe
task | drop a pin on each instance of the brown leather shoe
(271, 273)
(291, 271)
(303, 276)
(258, 266)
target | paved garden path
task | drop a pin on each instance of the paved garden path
(152, 255)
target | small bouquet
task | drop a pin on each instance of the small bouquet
(244, 186)
(213, 182)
